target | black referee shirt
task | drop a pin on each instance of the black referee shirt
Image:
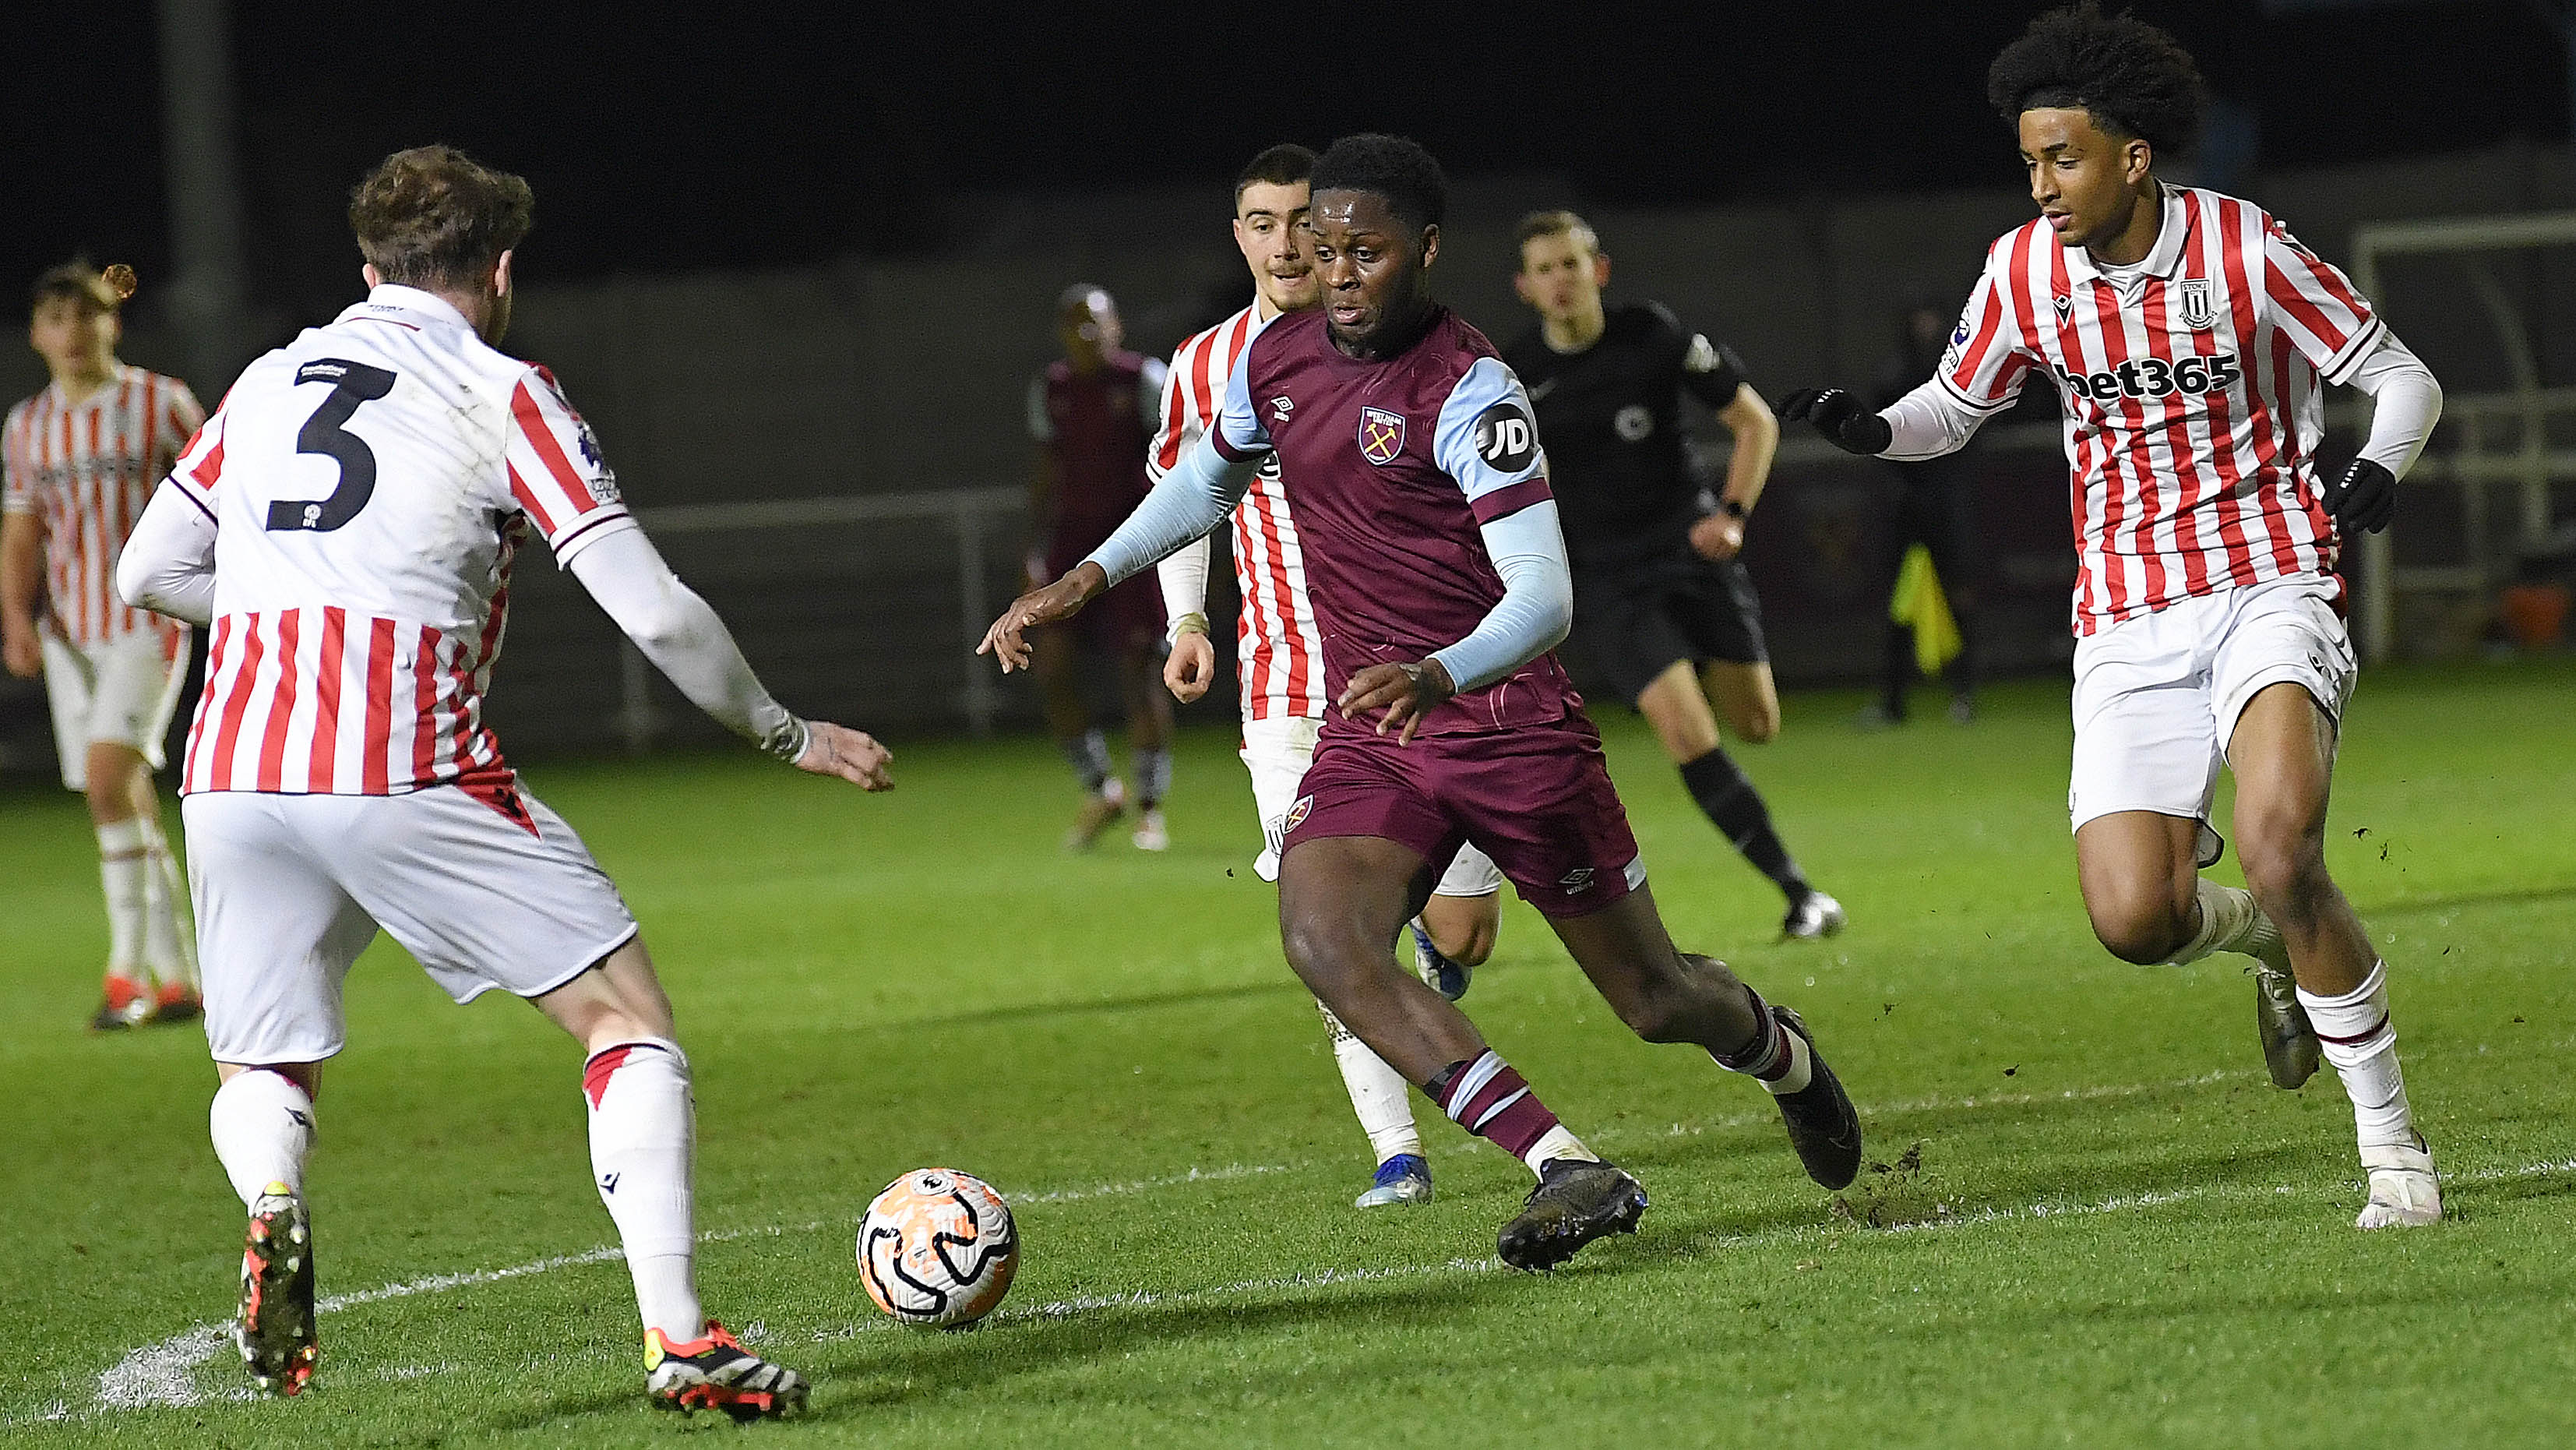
(1610, 419)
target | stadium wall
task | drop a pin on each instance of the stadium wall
(884, 377)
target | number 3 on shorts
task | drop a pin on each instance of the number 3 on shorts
(327, 432)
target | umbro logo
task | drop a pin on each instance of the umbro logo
(1576, 881)
(1281, 407)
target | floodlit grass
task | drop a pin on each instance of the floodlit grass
(2097, 1226)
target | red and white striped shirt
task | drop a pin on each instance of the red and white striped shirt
(86, 470)
(371, 483)
(1278, 648)
(2190, 385)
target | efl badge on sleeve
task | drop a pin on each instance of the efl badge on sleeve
(1381, 435)
(2195, 304)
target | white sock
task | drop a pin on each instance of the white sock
(262, 1124)
(2229, 922)
(642, 1134)
(122, 869)
(2360, 1041)
(1557, 1142)
(1782, 1063)
(169, 948)
(1800, 1071)
(1379, 1094)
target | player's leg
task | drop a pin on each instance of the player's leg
(1055, 660)
(1149, 731)
(2144, 768)
(1341, 901)
(1664, 994)
(1456, 929)
(1745, 697)
(425, 866)
(1276, 751)
(139, 682)
(279, 935)
(2285, 657)
(71, 694)
(1678, 710)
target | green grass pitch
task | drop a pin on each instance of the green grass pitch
(2117, 1233)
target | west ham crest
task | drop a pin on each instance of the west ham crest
(2195, 304)
(1381, 435)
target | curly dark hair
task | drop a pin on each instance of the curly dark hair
(1394, 167)
(2132, 78)
(434, 217)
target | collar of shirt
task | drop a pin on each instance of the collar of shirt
(423, 306)
(116, 373)
(2173, 229)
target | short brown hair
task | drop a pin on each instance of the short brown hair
(434, 217)
(80, 280)
(1553, 224)
(1285, 164)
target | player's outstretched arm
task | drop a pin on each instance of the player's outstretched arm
(168, 564)
(1193, 498)
(682, 636)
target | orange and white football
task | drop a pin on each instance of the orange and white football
(938, 1248)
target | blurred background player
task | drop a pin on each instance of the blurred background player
(1280, 651)
(1936, 510)
(346, 524)
(1662, 606)
(1440, 579)
(2188, 334)
(80, 460)
(1093, 413)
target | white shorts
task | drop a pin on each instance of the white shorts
(2157, 696)
(1277, 752)
(291, 888)
(119, 691)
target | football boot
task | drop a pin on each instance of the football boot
(1402, 1179)
(275, 1329)
(717, 1373)
(1576, 1201)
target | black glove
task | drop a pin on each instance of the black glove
(1840, 417)
(2364, 498)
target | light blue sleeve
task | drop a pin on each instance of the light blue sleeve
(1238, 431)
(1193, 498)
(1537, 607)
(1487, 440)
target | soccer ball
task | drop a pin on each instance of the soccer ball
(938, 1248)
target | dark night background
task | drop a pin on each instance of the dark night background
(681, 138)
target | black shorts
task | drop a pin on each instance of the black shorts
(1634, 623)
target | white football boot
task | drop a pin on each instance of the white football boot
(2404, 1191)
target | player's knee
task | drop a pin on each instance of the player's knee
(1318, 953)
(1463, 929)
(2284, 861)
(1759, 725)
(2141, 927)
(1655, 1016)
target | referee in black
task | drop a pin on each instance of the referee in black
(1661, 606)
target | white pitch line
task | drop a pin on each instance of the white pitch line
(162, 1373)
